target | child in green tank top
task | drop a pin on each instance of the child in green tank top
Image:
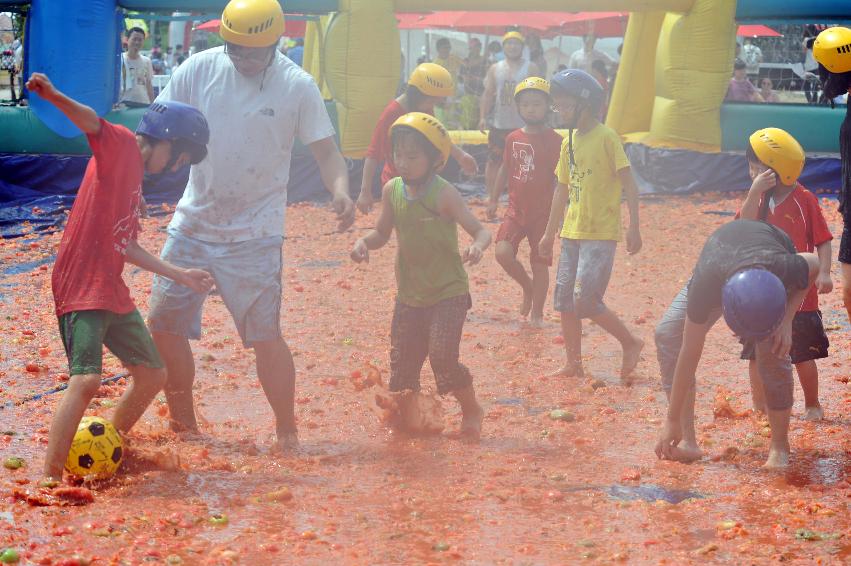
(433, 297)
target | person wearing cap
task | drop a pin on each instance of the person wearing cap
(433, 296)
(230, 219)
(501, 80)
(584, 58)
(832, 49)
(593, 174)
(447, 111)
(528, 170)
(428, 85)
(93, 304)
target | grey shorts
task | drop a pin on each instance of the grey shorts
(584, 270)
(248, 278)
(776, 371)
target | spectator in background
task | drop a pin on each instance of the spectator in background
(582, 59)
(741, 89)
(599, 72)
(157, 61)
(137, 72)
(766, 90)
(536, 53)
(494, 52)
(472, 75)
(447, 112)
(752, 56)
(811, 80)
(296, 52)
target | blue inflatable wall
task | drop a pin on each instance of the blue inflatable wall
(77, 44)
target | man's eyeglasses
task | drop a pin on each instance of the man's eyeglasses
(248, 54)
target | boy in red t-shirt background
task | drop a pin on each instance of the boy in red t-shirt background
(528, 169)
(429, 84)
(775, 160)
(93, 304)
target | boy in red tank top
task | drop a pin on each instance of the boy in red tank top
(528, 165)
(776, 197)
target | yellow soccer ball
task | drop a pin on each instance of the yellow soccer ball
(96, 449)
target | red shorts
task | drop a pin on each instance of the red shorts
(513, 232)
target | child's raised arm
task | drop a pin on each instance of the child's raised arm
(81, 115)
(379, 235)
(453, 205)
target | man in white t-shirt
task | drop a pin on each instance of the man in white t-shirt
(752, 56)
(231, 216)
(137, 72)
(584, 58)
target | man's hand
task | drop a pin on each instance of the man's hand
(345, 209)
(545, 247)
(781, 340)
(360, 252)
(764, 182)
(824, 283)
(671, 436)
(472, 255)
(41, 85)
(365, 200)
(491, 209)
(196, 279)
(468, 163)
(633, 240)
(483, 124)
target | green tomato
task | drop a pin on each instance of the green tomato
(13, 463)
(440, 546)
(562, 415)
(9, 556)
(219, 519)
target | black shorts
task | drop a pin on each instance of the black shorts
(845, 244)
(809, 341)
(496, 144)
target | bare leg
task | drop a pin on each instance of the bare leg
(540, 286)
(808, 376)
(846, 287)
(571, 331)
(75, 400)
(506, 257)
(757, 390)
(180, 367)
(778, 450)
(472, 413)
(491, 169)
(144, 386)
(276, 370)
(631, 344)
(687, 450)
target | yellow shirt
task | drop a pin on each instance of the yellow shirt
(594, 211)
(452, 64)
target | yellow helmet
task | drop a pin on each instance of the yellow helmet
(431, 128)
(533, 83)
(252, 23)
(432, 80)
(777, 149)
(514, 35)
(832, 48)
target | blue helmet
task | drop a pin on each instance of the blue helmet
(579, 84)
(754, 302)
(176, 121)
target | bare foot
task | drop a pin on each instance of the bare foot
(471, 425)
(287, 443)
(631, 356)
(815, 413)
(686, 452)
(568, 370)
(778, 458)
(537, 320)
(526, 307)
(183, 429)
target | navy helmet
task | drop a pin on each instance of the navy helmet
(579, 84)
(176, 121)
(754, 303)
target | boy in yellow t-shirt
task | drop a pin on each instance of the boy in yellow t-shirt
(592, 172)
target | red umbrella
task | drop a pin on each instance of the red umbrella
(601, 24)
(484, 22)
(410, 20)
(757, 30)
(293, 28)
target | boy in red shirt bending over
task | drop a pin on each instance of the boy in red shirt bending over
(528, 164)
(92, 302)
(775, 160)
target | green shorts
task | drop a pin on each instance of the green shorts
(85, 333)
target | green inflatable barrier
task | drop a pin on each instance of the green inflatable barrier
(27, 134)
(815, 127)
